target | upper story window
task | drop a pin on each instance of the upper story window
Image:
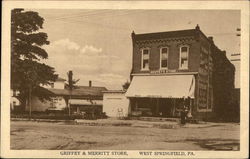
(184, 51)
(164, 58)
(145, 59)
(14, 93)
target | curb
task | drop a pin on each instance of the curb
(40, 120)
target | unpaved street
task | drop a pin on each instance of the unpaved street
(52, 136)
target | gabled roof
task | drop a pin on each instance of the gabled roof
(114, 91)
(60, 79)
(162, 35)
(92, 88)
(81, 91)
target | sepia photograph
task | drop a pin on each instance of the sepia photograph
(104, 82)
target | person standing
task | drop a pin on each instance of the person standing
(183, 113)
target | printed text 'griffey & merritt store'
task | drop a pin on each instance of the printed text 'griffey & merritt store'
(172, 68)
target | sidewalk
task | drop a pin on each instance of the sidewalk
(131, 123)
(172, 124)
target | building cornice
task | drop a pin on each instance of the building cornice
(165, 40)
(164, 74)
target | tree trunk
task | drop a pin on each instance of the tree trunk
(29, 102)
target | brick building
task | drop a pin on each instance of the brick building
(176, 68)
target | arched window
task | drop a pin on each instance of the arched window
(184, 51)
(164, 58)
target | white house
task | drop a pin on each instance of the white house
(14, 102)
(57, 101)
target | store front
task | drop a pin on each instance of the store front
(161, 96)
(79, 106)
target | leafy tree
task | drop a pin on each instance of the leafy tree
(28, 73)
(126, 85)
(71, 83)
(223, 86)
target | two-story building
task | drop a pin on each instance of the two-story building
(170, 69)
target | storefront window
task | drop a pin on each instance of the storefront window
(145, 59)
(184, 57)
(164, 57)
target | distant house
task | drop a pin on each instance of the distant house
(57, 101)
(78, 99)
(14, 101)
(82, 98)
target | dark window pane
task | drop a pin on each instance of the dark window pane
(164, 50)
(184, 49)
(164, 63)
(145, 64)
(145, 52)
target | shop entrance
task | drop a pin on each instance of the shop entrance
(156, 107)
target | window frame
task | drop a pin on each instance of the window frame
(164, 68)
(145, 69)
(188, 48)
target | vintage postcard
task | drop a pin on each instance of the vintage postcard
(125, 79)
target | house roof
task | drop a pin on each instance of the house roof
(162, 35)
(81, 91)
(114, 91)
(92, 88)
(60, 79)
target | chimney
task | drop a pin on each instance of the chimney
(197, 27)
(90, 83)
(224, 52)
(211, 38)
(133, 34)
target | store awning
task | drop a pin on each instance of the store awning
(79, 102)
(85, 102)
(171, 86)
(97, 102)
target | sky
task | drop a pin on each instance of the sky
(96, 44)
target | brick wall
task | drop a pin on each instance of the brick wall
(173, 57)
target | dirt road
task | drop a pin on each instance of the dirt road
(61, 136)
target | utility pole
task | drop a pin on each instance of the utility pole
(70, 82)
(237, 55)
(71, 86)
(30, 101)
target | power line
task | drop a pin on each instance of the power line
(235, 60)
(74, 15)
(106, 14)
(81, 15)
(83, 21)
(95, 14)
(235, 54)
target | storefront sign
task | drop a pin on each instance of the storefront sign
(163, 71)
